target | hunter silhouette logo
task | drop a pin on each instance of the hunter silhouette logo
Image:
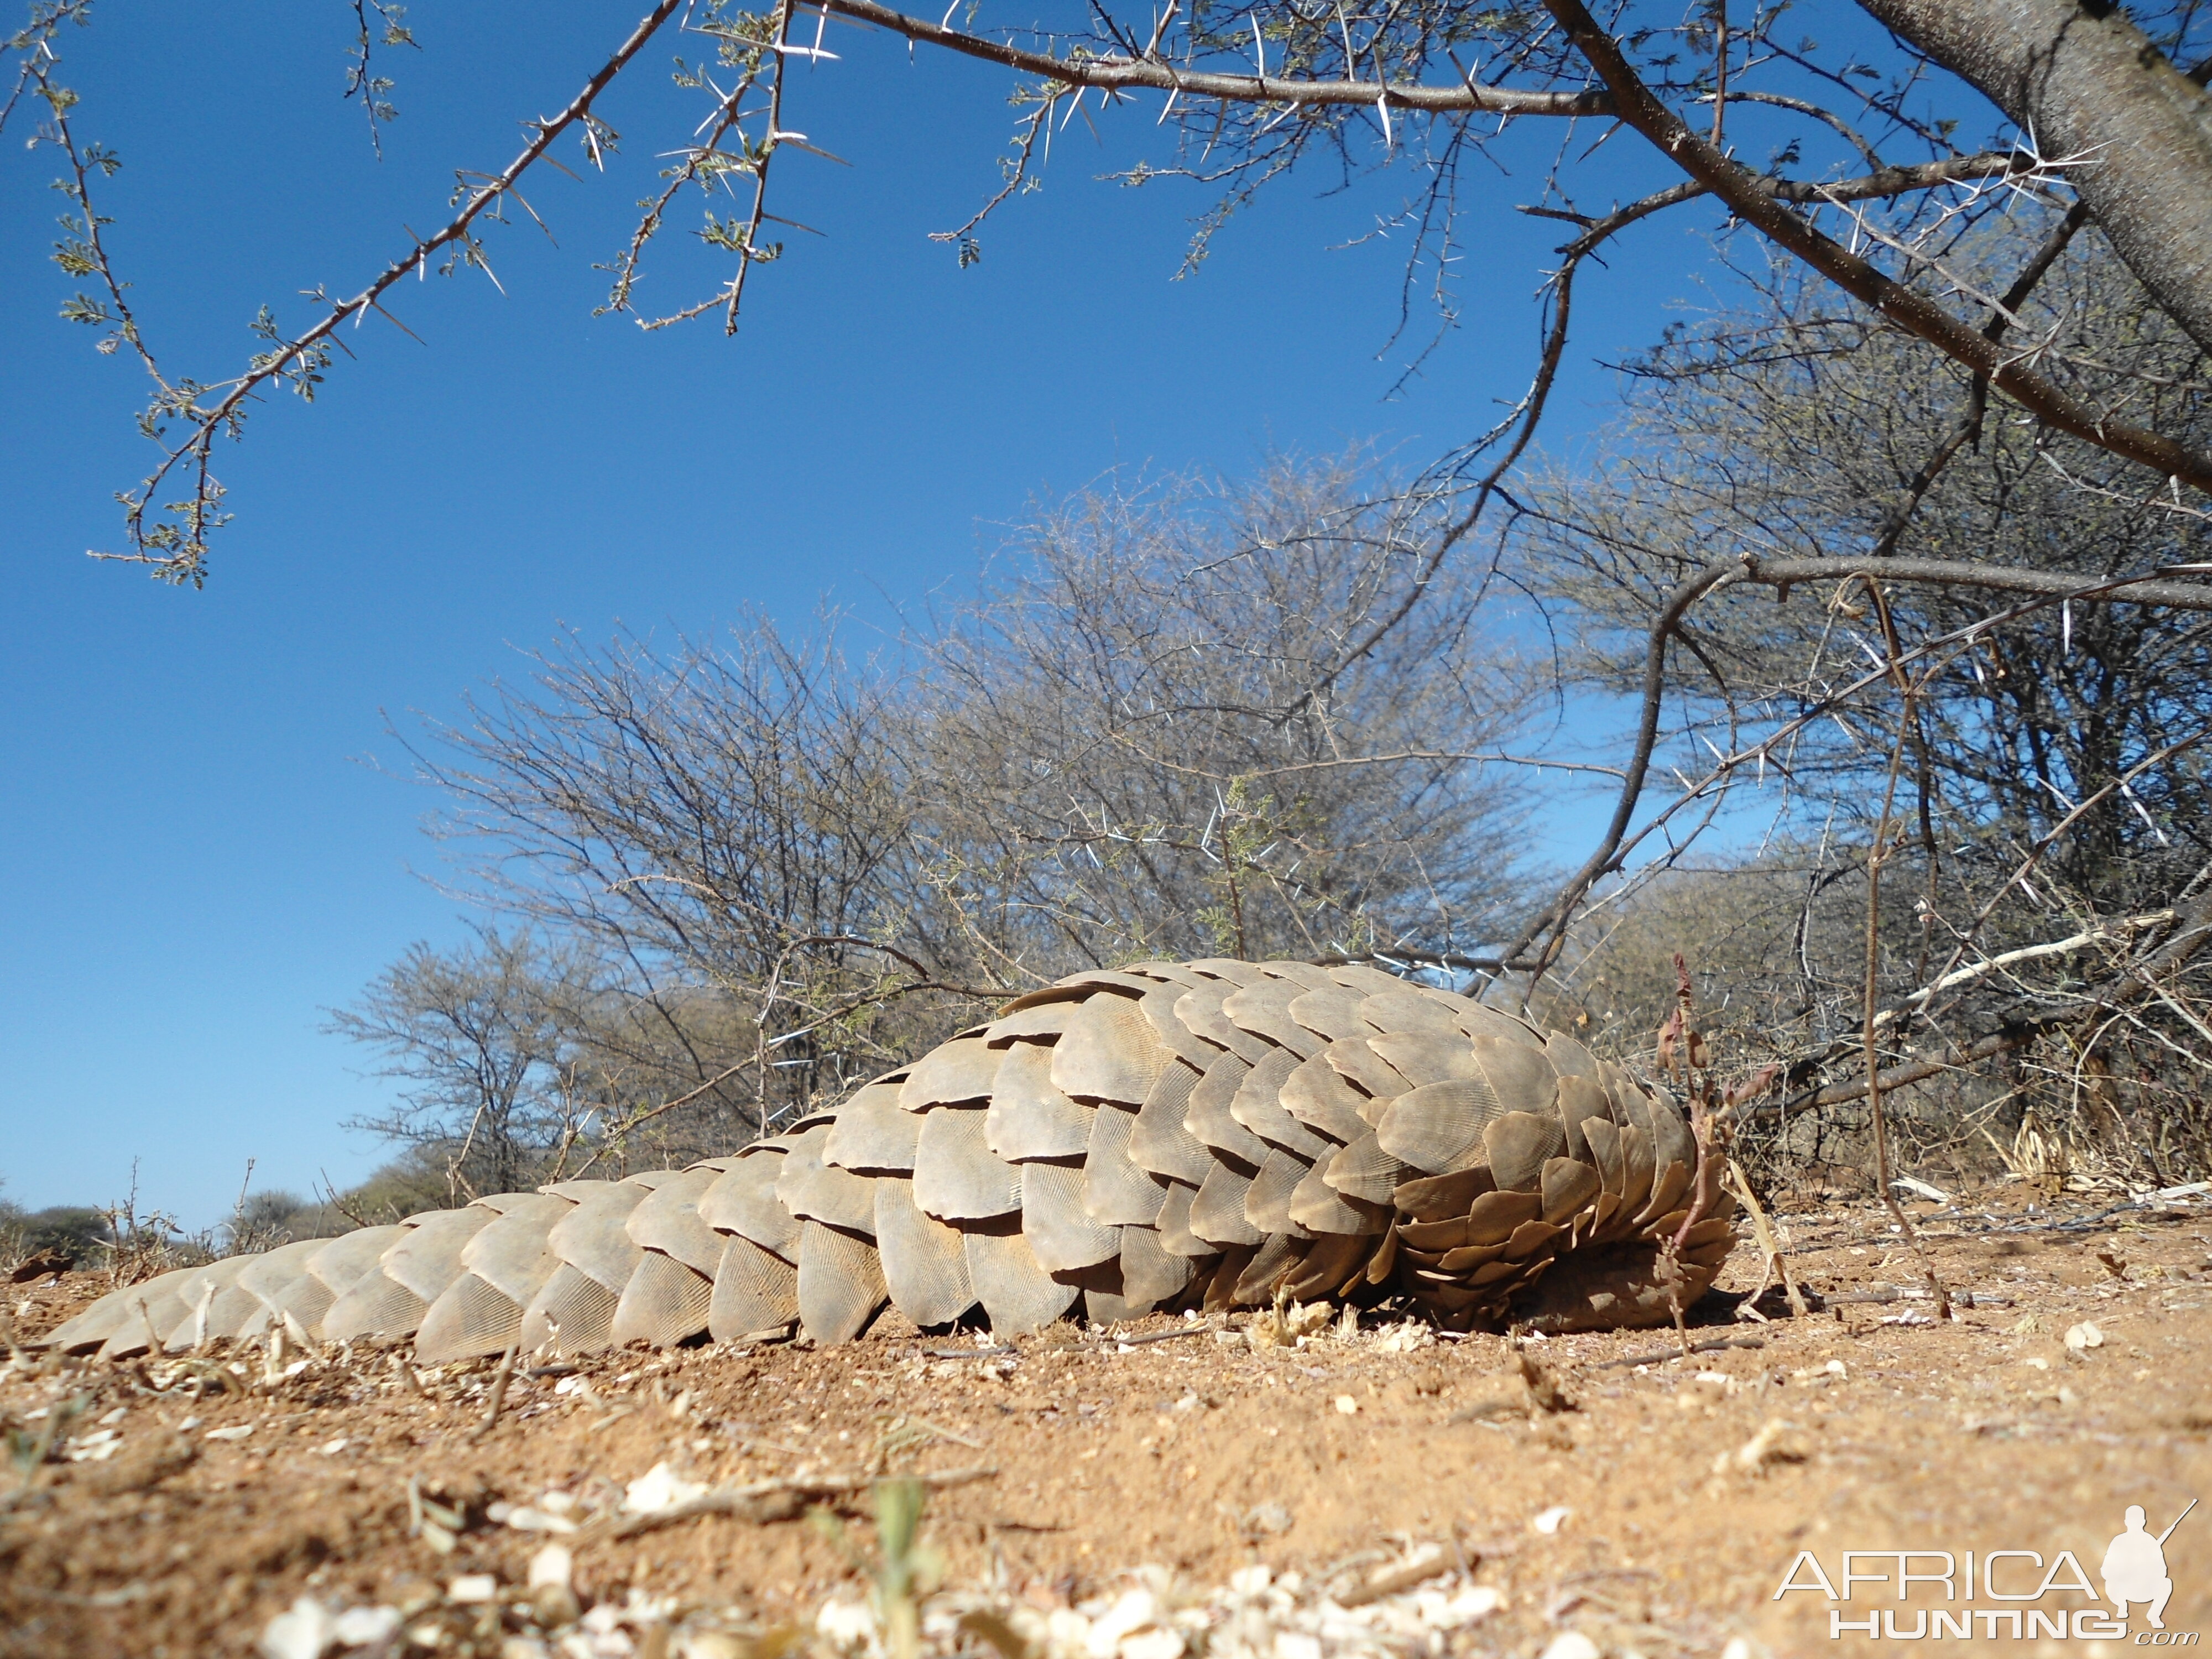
(2028, 1591)
(2134, 1566)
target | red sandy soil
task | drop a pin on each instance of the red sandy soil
(1868, 1426)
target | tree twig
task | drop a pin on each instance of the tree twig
(498, 1391)
(770, 1500)
(183, 557)
(1906, 306)
(1115, 73)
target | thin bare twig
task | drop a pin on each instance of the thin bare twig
(498, 1391)
(1906, 306)
(178, 551)
(1117, 73)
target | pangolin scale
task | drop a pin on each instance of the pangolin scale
(1165, 1135)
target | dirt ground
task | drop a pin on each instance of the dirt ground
(1656, 1515)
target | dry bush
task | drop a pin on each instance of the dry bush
(747, 875)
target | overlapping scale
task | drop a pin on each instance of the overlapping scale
(471, 1316)
(1210, 1116)
(512, 1254)
(874, 1134)
(815, 1191)
(957, 1175)
(1028, 1115)
(925, 1260)
(961, 1070)
(1160, 1141)
(743, 1200)
(594, 1238)
(665, 1303)
(200, 1294)
(755, 1292)
(1109, 1052)
(1013, 1286)
(667, 1220)
(1117, 1189)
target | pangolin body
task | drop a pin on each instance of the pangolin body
(1161, 1135)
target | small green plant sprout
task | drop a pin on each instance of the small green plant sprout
(29, 1448)
(906, 1570)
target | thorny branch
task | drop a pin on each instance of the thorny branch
(1116, 72)
(178, 549)
(1782, 575)
(362, 79)
(1321, 75)
(1904, 306)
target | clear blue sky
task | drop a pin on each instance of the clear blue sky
(199, 853)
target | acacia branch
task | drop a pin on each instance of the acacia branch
(2088, 81)
(1454, 959)
(2129, 984)
(1968, 427)
(2057, 585)
(1528, 415)
(1915, 313)
(1115, 72)
(2194, 933)
(1892, 181)
(186, 561)
(1879, 185)
(1568, 898)
(2056, 947)
(2045, 587)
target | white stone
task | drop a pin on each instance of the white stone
(659, 1488)
(1455, 1612)
(1571, 1644)
(305, 1631)
(1153, 1643)
(1130, 1612)
(1067, 1630)
(473, 1589)
(94, 1448)
(1405, 1339)
(363, 1627)
(845, 1624)
(529, 1520)
(1550, 1521)
(552, 1567)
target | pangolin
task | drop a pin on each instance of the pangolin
(1165, 1135)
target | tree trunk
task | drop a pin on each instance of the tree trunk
(2089, 84)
